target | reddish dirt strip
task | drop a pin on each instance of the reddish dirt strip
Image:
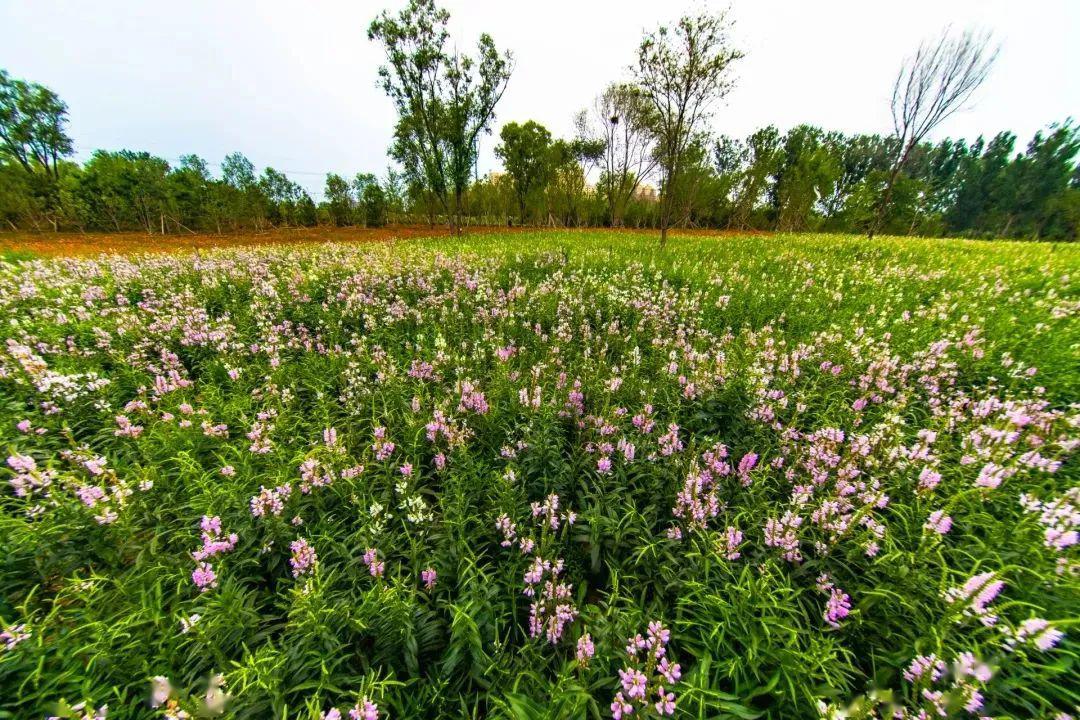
(66, 244)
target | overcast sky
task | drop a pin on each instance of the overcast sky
(293, 84)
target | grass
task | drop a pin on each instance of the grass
(804, 456)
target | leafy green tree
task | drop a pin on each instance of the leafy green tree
(281, 197)
(339, 200)
(525, 152)
(805, 176)
(306, 213)
(394, 190)
(682, 72)
(444, 100)
(370, 200)
(983, 186)
(857, 157)
(33, 135)
(567, 190)
(125, 190)
(33, 122)
(191, 189)
(244, 201)
(762, 156)
(1046, 178)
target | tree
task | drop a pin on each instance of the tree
(1048, 175)
(244, 200)
(444, 100)
(621, 119)
(281, 197)
(762, 155)
(306, 212)
(806, 175)
(525, 152)
(682, 72)
(570, 162)
(339, 200)
(859, 157)
(124, 190)
(191, 187)
(32, 125)
(394, 191)
(932, 85)
(370, 200)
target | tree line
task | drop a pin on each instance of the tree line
(643, 155)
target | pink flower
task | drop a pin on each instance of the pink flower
(620, 707)
(585, 649)
(665, 704)
(203, 576)
(838, 607)
(375, 566)
(633, 682)
(428, 576)
(364, 710)
(671, 671)
(303, 558)
(939, 522)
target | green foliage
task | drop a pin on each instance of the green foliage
(760, 343)
(526, 154)
(444, 100)
(339, 200)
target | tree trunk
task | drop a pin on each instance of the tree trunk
(886, 198)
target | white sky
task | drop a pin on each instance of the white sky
(293, 84)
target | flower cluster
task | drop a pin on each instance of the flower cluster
(214, 542)
(270, 502)
(304, 559)
(975, 595)
(374, 565)
(646, 682)
(838, 606)
(364, 709)
(552, 608)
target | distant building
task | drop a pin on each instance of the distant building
(646, 193)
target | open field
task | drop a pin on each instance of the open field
(543, 475)
(67, 244)
(24, 245)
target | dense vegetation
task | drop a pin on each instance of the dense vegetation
(645, 154)
(452, 478)
(805, 179)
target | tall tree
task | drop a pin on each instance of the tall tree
(932, 85)
(682, 72)
(339, 200)
(444, 100)
(762, 155)
(621, 118)
(244, 199)
(806, 176)
(281, 197)
(571, 161)
(32, 125)
(191, 188)
(371, 201)
(525, 151)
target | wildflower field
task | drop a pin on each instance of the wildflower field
(543, 475)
